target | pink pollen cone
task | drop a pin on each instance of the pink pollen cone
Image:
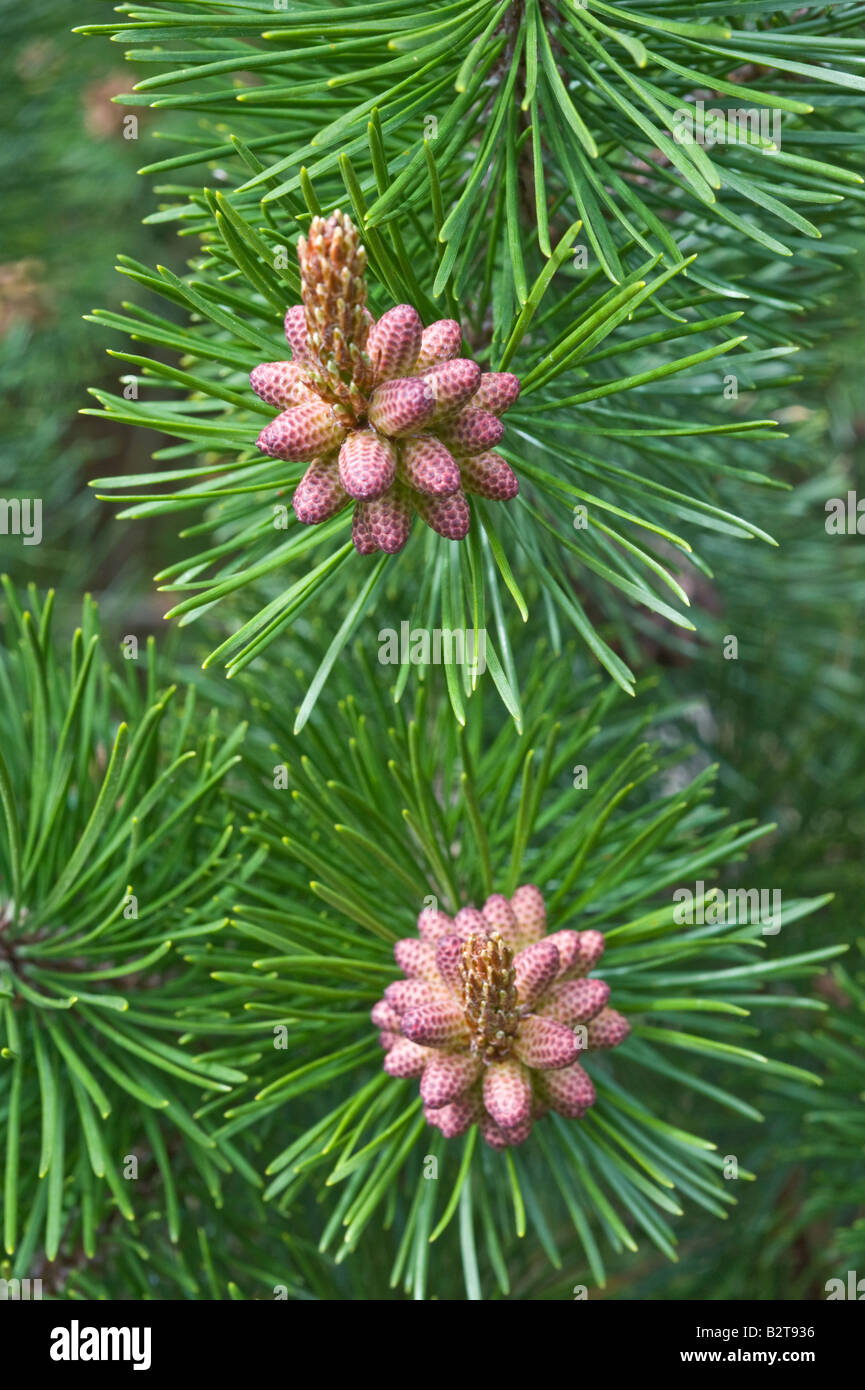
(446, 1076)
(280, 384)
(448, 516)
(507, 1092)
(389, 521)
(432, 923)
(607, 1029)
(401, 406)
(454, 1119)
(426, 466)
(301, 433)
(493, 1017)
(394, 343)
(441, 341)
(591, 949)
(367, 464)
(489, 475)
(497, 392)
(569, 1090)
(536, 967)
(452, 383)
(361, 534)
(527, 904)
(576, 1001)
(472, 431)
(415, 958)
(295, 331)
(498, 915)
(406, 1058)
(319, 494)
(433, 1025)
(545, 1044)
(449, 954)
(467, 921)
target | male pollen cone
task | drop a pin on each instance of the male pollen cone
(386, 413)
(493, 1015)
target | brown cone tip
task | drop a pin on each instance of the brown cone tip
(333, 289)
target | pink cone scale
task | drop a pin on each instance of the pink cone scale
(390, 418)
(495, 1017)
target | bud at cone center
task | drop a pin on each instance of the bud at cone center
(489, 996)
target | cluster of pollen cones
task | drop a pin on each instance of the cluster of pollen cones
(493, 1015)
(387, 414)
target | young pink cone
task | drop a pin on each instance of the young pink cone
(567, 943)
(448, 516)
(441, 341)
(467, 921)
(544, 1044)
(319, 494)
(569, 1091)
(454, 1119)
(489, 475)
(449, 955)
(452, 383)
(383, 1016)
(608, 1029)
(527, 905)
(432, 923)
(426, 466)
(388, 382)
(394, 343)
(410, 994)
(591, 949)
(281, 384)
(361, 534)
(498, 916)
(295, 332)
(472, 431)
(536, 968)
(367, 464)
(434, 1025)
(499, 1138)
(401, 406)
(389, 520)
(301, 433)
(494, 1028)
(446, 1076)
(507, 1092)
(576, 1001)
(416, 959)
(406, 1058)
(497, 392)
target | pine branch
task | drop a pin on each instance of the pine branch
(114, 844)
(608, 858)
